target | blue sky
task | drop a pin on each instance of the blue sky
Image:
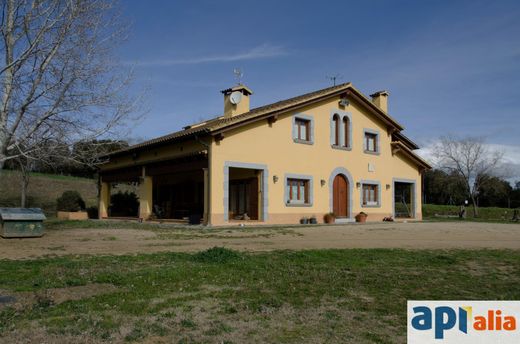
(450, 66)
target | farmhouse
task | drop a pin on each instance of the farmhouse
(329, 151)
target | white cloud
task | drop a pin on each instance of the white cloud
(259, 52)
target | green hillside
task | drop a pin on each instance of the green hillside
(44, 189)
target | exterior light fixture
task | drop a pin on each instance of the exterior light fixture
(275, 178)
(388, 186)
(322, 182)
(358, 184)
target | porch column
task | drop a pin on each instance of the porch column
(104, 199)
(145, 196)
(205, 218)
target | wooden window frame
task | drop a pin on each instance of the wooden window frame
(336, 124)
(294, 182)
(346, 128)
(368, 187)
(368, 137)
(300, 122)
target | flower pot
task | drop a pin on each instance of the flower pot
(329, 218)
(304, 221)
(72, 215)
(361, 218)
(313, 221)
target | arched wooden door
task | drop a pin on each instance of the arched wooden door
(340, 196)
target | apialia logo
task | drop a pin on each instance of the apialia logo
(463, 322)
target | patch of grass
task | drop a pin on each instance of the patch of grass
(217, 255)
(44, 189)
(219, 295)
(450, 213)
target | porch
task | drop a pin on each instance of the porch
(174, 190)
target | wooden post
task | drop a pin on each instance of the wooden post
(145, 196)
(104, 199)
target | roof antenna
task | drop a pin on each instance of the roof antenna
(333, 78)
(238, 75)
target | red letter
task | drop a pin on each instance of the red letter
(510, 323)
(499, 320)
(491, 322)
(480, 323)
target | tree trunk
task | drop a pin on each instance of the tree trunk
(475, 207)
(23, 190)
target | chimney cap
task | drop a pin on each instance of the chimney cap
(380, 93)
(241, 88)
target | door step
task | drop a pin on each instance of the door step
(344, 220)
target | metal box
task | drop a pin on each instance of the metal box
(21, 222)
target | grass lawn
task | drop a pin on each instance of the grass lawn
(221, 296)
(450, 212)
(44, 189)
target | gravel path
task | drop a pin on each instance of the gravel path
(425, 235)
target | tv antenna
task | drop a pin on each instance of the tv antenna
(238, 75)
(333, 78)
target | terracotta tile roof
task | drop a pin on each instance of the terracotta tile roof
(220, 124)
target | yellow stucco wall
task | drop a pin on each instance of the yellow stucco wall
(273, 146)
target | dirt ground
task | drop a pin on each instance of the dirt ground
(426, 235)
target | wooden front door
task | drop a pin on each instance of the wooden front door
(340, 196)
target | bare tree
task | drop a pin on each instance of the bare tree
(58, 75)
(470, 158)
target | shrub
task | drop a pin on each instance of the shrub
(216, 255)
(93, 212)
(124, 204)
(70, 201)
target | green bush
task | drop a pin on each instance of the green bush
(93, 212)
(216, 255)
(70, 201)
(124, 204)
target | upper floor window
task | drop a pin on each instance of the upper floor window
(340, 130)
(336, 127)
(346, 131)
(303, 127)
(371, 141)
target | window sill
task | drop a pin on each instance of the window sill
(371, 153)
(296, 205)
(305, 142)
(371, 206)
(341, 147)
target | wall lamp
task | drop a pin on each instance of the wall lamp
(275, 178)
(358, 184)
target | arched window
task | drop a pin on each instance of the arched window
(335, 126)
(346, 131)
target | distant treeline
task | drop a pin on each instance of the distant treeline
(80, 160)
(449, 189)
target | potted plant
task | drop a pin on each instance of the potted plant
(304, 220)
(71, 206)
(329, 218)
(313, 220)
(361, 217)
